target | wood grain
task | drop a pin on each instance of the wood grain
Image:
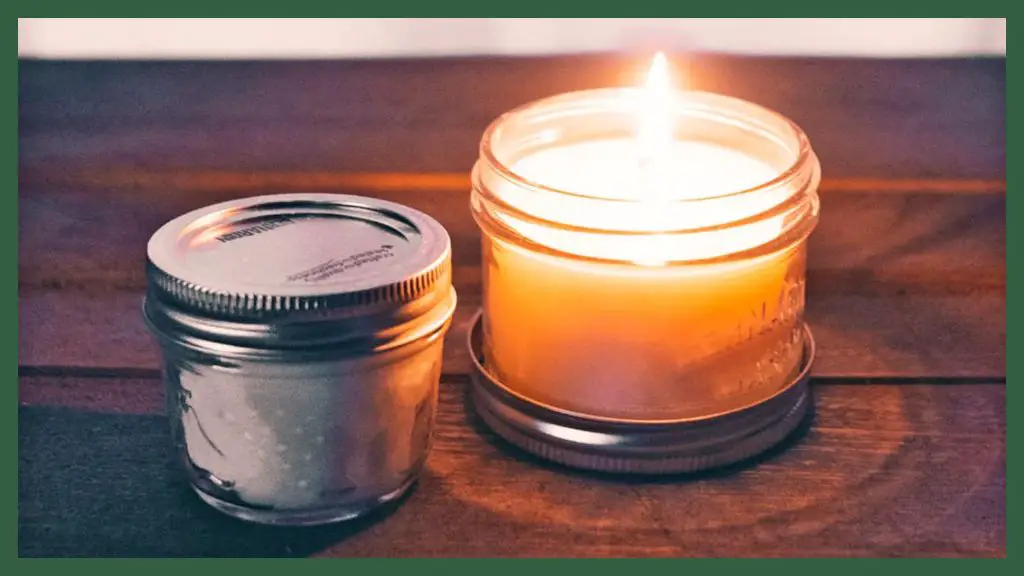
(883, 471)
(81, 235)
(867, 118)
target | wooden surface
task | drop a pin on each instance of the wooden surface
(906, 294)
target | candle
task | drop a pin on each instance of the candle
(644, 252)
(622, 340)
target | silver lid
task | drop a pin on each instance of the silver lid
(296, 268)
(638, 447)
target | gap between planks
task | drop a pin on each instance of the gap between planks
(117, 372)
(427, 182)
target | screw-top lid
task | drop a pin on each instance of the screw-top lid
(285, 269)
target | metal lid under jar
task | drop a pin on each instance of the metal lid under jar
(299, 273)
(621, 446)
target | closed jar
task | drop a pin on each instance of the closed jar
(301, 337)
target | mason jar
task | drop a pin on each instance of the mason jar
(302, 338)
(619, 298)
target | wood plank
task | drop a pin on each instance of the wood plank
(912, 337)
(882, 471)
(867, 117)
(899, 284)
(892, 242)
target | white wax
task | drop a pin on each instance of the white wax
(302, 435)
(615, 169)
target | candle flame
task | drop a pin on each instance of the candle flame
(656, 128)
(654, 138)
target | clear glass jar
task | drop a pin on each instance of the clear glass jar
(302, 337)
(603, 300)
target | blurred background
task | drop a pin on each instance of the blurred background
(357, 38)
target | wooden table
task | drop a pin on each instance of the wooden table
(906, 294)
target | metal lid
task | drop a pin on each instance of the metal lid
(638, 447)
(260, 268)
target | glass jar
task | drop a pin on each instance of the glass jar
(620, 294)
(302, 341)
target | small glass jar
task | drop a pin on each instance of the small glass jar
(620, 296)
(302, 341)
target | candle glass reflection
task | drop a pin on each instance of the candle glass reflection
(624, 289)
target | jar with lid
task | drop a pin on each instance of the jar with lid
(302, 341)
(644, 257)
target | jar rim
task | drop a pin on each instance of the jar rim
(669, 230)
(803, 157)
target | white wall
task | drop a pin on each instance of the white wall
(342, 37)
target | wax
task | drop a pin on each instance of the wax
(280, 435)
(641, 328)
(615, 168)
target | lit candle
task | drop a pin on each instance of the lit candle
(644, 251)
